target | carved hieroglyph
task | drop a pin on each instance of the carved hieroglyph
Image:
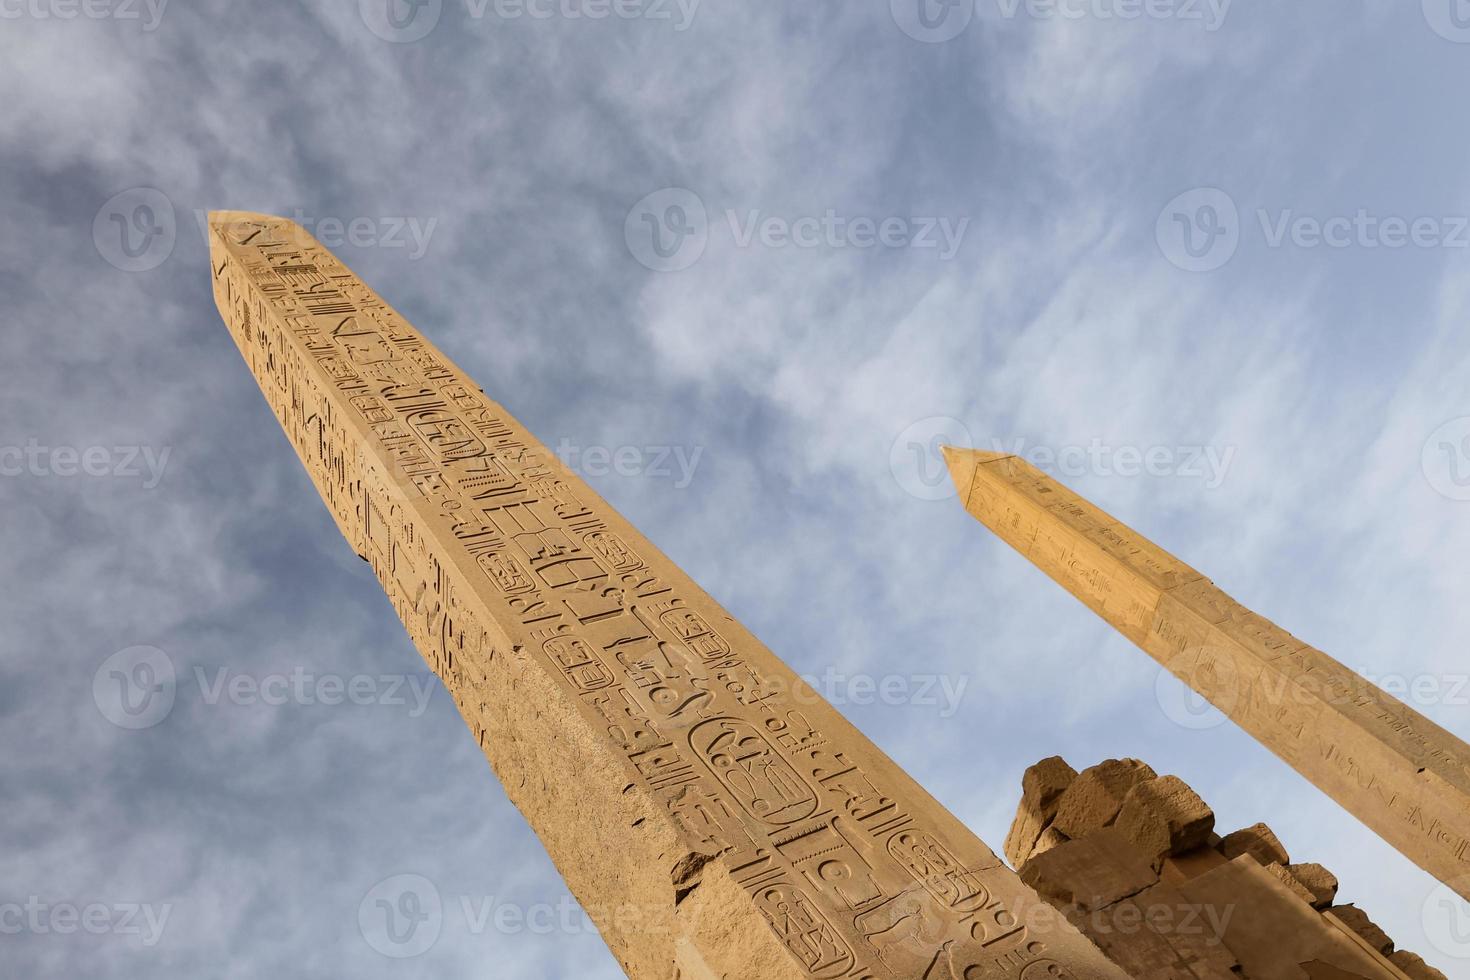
(714, 816)
(1395, 770)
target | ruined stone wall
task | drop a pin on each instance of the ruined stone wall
(1133, 860)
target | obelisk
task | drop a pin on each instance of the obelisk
(1395, 770)
(713, 815)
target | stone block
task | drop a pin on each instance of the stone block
(1092, 872)
(1050, 837)
(1272, 931)
(1259, 841)
(1041, 788)
(1165, 817)
(1414, 966)
(1282, 874)
(1357, 920)
(1319, 881)
(1094, 798)
(1182, 867)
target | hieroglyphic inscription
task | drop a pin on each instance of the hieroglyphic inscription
(495, 556)
(1398, 772)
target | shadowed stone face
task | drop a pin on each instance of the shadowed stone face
(714, 816)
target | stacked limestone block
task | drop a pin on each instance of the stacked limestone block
(1132, 858)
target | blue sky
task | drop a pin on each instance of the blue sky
(744, 265)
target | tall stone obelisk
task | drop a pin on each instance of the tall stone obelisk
(714, 816)
(1395, 770)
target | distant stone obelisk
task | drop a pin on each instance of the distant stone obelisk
(715, 817)
(1395, 770)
